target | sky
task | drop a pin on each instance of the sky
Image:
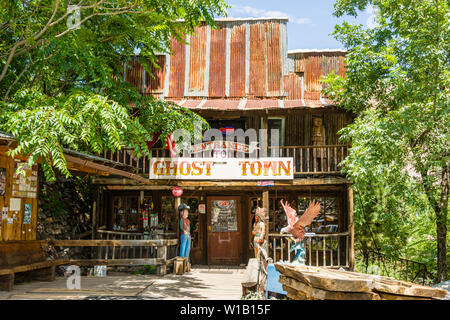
(310, 21)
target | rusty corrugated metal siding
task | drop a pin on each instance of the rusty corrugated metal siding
(177, 69)
(274, 68)
(217, 69)
(241, 61)
(197, 64)
(154, 82)
(134, 73)
(258, 55)
(237, 59)
(311, 66)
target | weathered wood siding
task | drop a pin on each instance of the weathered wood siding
(17, 230)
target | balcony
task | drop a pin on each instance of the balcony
(308, 160)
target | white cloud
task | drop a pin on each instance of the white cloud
(260, 13)
(371, 20)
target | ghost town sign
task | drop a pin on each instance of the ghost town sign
(223, 169)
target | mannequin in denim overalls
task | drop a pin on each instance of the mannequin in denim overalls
(185, 228)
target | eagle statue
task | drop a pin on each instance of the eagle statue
(296, 226)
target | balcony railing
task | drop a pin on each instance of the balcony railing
(308, 160)
(322, 250)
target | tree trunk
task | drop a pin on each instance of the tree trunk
(441, 227)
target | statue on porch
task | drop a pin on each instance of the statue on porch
(296, 227)
(318, 139)
(185, 228)
(259, 229)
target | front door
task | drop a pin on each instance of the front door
(224, 230)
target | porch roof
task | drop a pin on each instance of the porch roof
(252, 104)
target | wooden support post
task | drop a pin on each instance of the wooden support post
(265, 203)
(265, 125)
(351, 229)
(162, 254)
(177, 203)
(46, 274)
(7, 282)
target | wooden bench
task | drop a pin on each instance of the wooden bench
(25, 257)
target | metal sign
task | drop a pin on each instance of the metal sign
(222, 169)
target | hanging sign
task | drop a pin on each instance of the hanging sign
(269, 183)
(202, 208)
(177, 192)
(224, 145)
(222, 169)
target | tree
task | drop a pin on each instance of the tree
(397, 84)
(61, 82)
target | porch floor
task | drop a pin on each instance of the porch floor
(202, 283)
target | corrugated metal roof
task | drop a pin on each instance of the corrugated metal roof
(252, 104)
(242, 58)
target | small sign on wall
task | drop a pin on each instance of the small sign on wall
(202, 208)
(14, 204)
(27, 214)
(2, 181)
(4, 213)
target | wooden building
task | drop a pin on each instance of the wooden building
(241, 76)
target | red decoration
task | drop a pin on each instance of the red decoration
(170, 144)
(154, 140)
(177, 192)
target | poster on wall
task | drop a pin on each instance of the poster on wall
(25, 181)
(224, 216)
(2, 181)
(14, 204)
(4, 213)
(27, 214)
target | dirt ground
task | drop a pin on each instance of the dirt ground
(219, 283)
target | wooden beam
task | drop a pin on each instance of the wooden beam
(351, 228)
(265, 203)
(93, 165)
(79, 167)
(265, 125)
(117, 262)
(96, 243)
(167, 184)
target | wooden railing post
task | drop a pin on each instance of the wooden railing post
(161, 269)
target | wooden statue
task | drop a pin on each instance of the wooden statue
(318, 139)
(296, 226)
(259, 230)
(318, 132)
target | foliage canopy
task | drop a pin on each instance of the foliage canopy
(397, 85)
(63, 87)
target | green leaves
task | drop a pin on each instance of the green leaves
(65, 88)
(397, 84)
(86, 122)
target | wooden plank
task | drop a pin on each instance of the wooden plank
(319, 278)
(93, 165)
(347, 281)
(117, 262)
(312, 293)
(99, 243)
(351, 228)
(386, 296)
(113, 183)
